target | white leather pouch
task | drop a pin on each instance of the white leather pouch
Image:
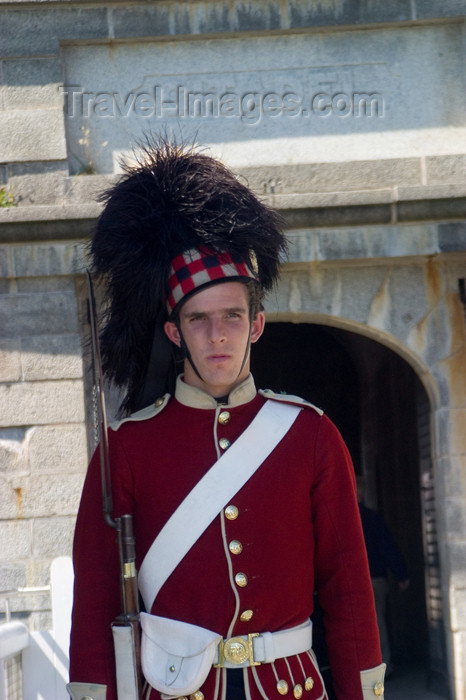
(176, 657)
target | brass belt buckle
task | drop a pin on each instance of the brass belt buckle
(237, 650)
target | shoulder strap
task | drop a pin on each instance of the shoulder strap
(211, 494)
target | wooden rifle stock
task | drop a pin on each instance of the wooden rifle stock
(129, 616)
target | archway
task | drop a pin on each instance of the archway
(382, 410)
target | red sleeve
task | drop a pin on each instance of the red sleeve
(342, 573)
(96, 600)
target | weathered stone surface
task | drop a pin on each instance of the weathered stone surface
(38, 32)
(51, 357)
(455, 521)
(12, 457)
(52, 536)
(332, 106)
(362, 243)
(15, 540)
(441, 169)
(48, 495)
(11, 496)
(36, 134)
(47, 259)
(12, 576)
(31, 83)
(38, 314)
(145, 20)
(429, 9)
(10, 360)
(452, 236)
(39, 403)
(36, 183)
(57, 449)
(310, 14)
(45, 285)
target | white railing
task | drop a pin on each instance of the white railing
(14, 639)
(34, 665)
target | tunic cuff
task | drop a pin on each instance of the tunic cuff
(372, 682)
(87, 691)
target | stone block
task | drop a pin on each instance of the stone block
(385, 94)
(15, 540)
(86, 188)
(38, 314)
(443, 169)
(11, 496)
(451, 436)
(332, 177)
(51, 357)
(256, 16)
(458, 608)
(45, 285)
(48, 259)
(355, 293)
(430, 9)
(408, 303)
(37, 32)
(12, 457)
(44, 496)
(41, 403)
(53, 537)
(32, 83)
(4, 261)
(57, 449)
(10, 360)
(36, 134)
(455, 518)
(12, 576)
(457, 431)
(312, 14)
(38, 183)
(452, 237)
(142, 20)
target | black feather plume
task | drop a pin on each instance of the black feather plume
(175, 198)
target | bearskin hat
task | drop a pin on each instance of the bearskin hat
(175, 198)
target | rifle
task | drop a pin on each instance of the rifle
(125, 628)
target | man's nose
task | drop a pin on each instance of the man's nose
(217, 330)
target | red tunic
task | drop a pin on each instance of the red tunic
(298, 524)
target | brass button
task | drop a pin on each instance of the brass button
(241, 579)
(282, 687)
(378, 689)
(246, 615)
(298, 691)
(224, 417)
(231, 512)
(224, 443)
(159, 402)
(198, 695)
(235, 547)
(309, 683)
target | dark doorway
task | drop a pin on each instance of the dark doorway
(379, 405)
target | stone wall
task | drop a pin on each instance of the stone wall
(43, 442)
(366, 160)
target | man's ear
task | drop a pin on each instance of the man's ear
(172, 332)
(258, 325)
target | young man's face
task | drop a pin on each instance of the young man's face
(215, 327)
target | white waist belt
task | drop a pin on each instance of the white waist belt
(256, 649)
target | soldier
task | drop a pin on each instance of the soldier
(244, 502)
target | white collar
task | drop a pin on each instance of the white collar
(194, 397)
